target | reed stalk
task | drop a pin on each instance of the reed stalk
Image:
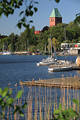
(30, 109)
(67, 99)
(36, 108)
(45, 106)
(40, 112)
(15, 115)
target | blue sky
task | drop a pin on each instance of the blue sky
(67, 8)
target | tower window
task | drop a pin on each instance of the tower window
(52, 20)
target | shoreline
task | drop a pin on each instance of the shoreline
(34, 53)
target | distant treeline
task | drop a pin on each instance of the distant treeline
(27, 40)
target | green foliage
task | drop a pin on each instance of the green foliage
(76, 101)
(67, 114)
(19, 94)
(77, 20)
(57, 1)
(32, 48)
(64, 114)
(27, 12)
(28, 40)
(61, 32)
(7, 101)
(8, 7)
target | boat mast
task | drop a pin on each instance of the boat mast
(51, 45)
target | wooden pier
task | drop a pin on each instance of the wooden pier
(65, 82)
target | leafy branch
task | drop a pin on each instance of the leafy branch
(7, 101)
(8, 7)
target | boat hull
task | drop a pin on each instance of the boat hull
(45, 64)
(59, 69)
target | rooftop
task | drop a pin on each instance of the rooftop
(55, 13)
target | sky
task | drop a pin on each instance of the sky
(67, 8)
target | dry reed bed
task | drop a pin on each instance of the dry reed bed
(42, 101)
(71, 82)
(45, 103)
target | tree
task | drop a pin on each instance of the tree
(42, 41)
(49, 45)
(58, 32)
(72, 31)
(77, 20)
(45, 28)
(12, 42)
(27, 38)
(8, 7)
(55, 43)
(33, 48)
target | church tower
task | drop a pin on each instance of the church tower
(55, 18)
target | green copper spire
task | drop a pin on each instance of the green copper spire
(55, 13)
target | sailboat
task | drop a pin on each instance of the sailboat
(50, 60)
(47, 61)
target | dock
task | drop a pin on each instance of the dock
(63, 67)
(65, 82)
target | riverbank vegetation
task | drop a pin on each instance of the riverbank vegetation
(28, 41)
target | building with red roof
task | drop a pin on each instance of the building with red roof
(37, 32)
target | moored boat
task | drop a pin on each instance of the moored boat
(59, 69)
(6, 53)
(48, 61)
(60, 65)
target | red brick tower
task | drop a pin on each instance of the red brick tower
(55, 18)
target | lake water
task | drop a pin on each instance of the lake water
(14, 68)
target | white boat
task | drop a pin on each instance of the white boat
(50, 60)
(6, 53)
(59, 69)
(47, 61)
(61, 65)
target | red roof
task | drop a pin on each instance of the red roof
(37, 32)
